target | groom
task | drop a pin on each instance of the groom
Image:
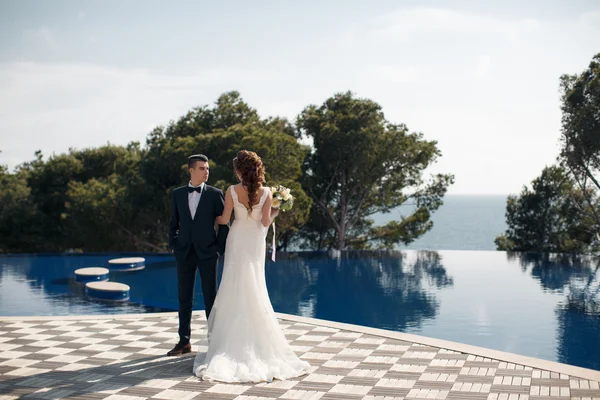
(195, 243)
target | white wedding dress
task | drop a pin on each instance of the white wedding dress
(246, 343)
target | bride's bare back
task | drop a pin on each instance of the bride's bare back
(242, 195)
(265, 214)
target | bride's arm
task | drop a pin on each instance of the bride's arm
(268, 213)
(226, 216)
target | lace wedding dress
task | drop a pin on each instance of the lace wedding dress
(246, 343)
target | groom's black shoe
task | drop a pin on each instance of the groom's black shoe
(180, 349)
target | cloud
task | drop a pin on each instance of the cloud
(591, 19)
(405, 23)
(483, 66)
(42, 34)
(396, 74)
(54, 107)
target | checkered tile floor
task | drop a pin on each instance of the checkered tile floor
(125, 359)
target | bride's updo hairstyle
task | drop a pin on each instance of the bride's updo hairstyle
(251, 172)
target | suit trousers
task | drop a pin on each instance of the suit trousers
(186, 280)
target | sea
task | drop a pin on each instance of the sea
(463, 222)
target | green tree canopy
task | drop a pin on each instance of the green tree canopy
(21, 228)
(547, 217)
(116, 198)
(360, 165)
(219, 133)
(580, 136)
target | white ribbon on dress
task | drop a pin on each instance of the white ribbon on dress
(273, 245)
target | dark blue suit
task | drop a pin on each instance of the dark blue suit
(196, 245)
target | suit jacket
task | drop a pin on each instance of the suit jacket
(198, 232)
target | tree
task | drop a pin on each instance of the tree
(546, 218)
(20, 228)
(48, 184)
(220, 132)
(91, 200)
(362, 164)
(116, 198)
(580, 136)
(110, 206)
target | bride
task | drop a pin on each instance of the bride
(246, 343)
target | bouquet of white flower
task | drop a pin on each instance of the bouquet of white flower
(284, 201)
(282, 198)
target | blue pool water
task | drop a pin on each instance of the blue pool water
(540, 306)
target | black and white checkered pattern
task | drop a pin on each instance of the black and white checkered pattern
(125, 359)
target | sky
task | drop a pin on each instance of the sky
(480, 78)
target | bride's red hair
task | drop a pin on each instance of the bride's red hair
(251, 170)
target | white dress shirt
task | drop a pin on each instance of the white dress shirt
(194, 198)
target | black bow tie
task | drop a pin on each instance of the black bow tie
(197, 189)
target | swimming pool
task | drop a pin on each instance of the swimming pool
(540, 306)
